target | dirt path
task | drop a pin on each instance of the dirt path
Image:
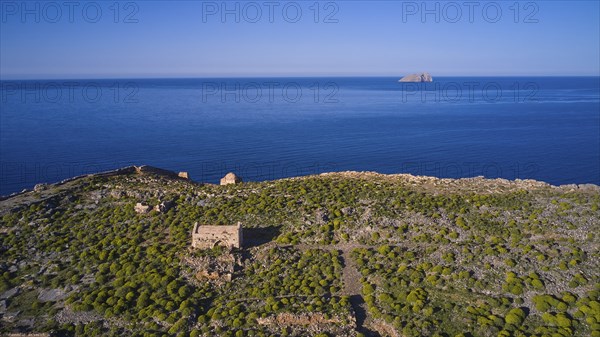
(350, 275)
(352, 287)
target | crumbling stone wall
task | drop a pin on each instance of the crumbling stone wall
(206, 237)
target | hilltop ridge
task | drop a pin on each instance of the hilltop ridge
(346, 254)
(478, 182)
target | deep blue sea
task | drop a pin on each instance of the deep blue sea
(544, 128)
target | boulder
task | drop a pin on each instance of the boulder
(40, 187)
(10, 316)
(423, 77)
(184, 175)
(322, 216)
(10, 293)
(163, 207)
(141, 208)
(230, 178)
(117, 194)
(51, 295)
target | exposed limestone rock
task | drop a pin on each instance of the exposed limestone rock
(71, 317)
(10, 293)
(206, 275)
(141, 208)
(117, 194)
(347, 210)
(51, 295)
(290, 319)
(40, 187)
(164, 206)
(321, 216)
(230, 178)
(10, 316)
(184, 175)
(423, 77)
(385, 328)
(218, 270)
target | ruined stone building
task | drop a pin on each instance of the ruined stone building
(204, 236)
(230, 178)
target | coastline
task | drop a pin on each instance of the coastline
(478, 181)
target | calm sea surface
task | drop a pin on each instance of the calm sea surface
(544, 128)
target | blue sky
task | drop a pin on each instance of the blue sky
(374, 38)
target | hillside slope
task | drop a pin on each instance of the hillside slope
(338, 254)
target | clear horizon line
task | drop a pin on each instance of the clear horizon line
(42, 78)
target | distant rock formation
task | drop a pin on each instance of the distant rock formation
(184, 175)
(230, 178)
(423, 77)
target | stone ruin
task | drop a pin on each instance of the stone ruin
(163, 207)
(207, 237)
(230, 178)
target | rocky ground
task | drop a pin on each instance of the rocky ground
(338, 254)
